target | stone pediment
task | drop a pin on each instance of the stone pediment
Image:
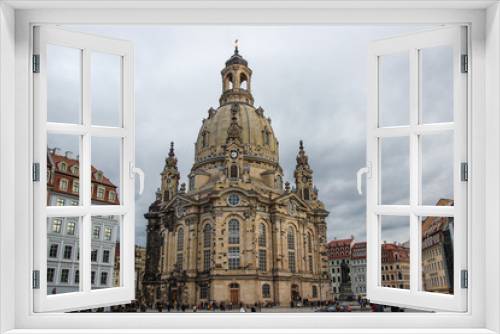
(291, 197)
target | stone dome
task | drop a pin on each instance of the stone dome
(256, 132)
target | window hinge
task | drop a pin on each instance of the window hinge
(36, 172)
(465, 64)
(465, 279)
(36, 63)
(464, 171)
(36, 279)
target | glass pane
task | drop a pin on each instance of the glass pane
(106, 170)
(63, 84)
(437, 84)
(395, 252)
(437, 254)
(395, 89)
(105, 89)
(437, 168)
(63, 170)
(63, 263)
(395, 171)
(105, 252)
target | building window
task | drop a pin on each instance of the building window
(74, 203)
(99, 177)
(63, 166)
(234, 258)
(56, 227)
(104, 278)
(100, 193)
(278, 182)
(71, 228)
(64, 275)
(105, 256)
(96, 232)
(233, 200)
(315, 291)
(206, 260)
(180, 261)
(204, 292)
(310, 263)
(67, 252)
(262, 259)
(306, 194)
(291, 261)
(107, 234)
(334, 290)
(262, 235)
(204, 138)
(234, 232)
(112, 196)
(53, 250)
(180, 239)
(266, 291)
(233, 171)
(290, 238)
(63, 184)
(76, 186)
(50, 274)
(93, 255)
(76, 170)
(309, 242)
(207, 230)
(60, 202)
(92, 277)
(192, 181)
(77, 276)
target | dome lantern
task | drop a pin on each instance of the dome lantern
(236, 77)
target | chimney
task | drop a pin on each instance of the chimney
(57, 151)
(69, 155)
(385, 241)
(335, 238)
(352, 236)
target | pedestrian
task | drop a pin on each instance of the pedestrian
(242, 308)
(230, 306)
(253, 309)
(169, 306)
(183, 307)
(195, 308)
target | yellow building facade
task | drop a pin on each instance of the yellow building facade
(238, 234)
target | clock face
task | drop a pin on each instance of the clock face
(304, 179)
(234, 154)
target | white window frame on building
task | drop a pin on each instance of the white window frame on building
(16, 120)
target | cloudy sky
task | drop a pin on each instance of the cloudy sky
(311, 81)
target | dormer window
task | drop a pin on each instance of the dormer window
(100, 193)
(76, 170)
(63, 166)
(112, 196)
(99, 177)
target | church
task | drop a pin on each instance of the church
(238, 233)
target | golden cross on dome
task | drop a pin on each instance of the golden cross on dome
(236, 43)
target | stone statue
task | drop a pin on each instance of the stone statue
(345, 272)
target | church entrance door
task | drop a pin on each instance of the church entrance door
(295, 292)
(234, 293)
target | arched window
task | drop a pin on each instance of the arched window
(309, 242)
(243, 82)
(233, 171)
(306, 194)
(234, 232)
(279, 182)
(166, 196)
(228, 83)
(204, 139)
(266, 291)
(262, 235)
(206, 235)
(290, 238)
(266, 138)
(315, 291)
(180, 239)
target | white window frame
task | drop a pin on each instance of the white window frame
(483, 17)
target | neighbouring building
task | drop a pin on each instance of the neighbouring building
(63, 233)
(437, 252)
(238, 233)
(338, 251)
(358, 269)
(140, 269)
(395, 266)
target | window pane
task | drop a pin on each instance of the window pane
(395, 171)
(106, 170)
(63, 249)
(63, 84)
(63, 170)
(437, 254)
(395, 89)
(395, 252)
(105, 89)
(437, 84)
(105, 254)
(437, 168)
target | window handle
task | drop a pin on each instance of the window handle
(368, 171)
(134, 170)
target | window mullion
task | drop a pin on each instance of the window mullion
(415, 159)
